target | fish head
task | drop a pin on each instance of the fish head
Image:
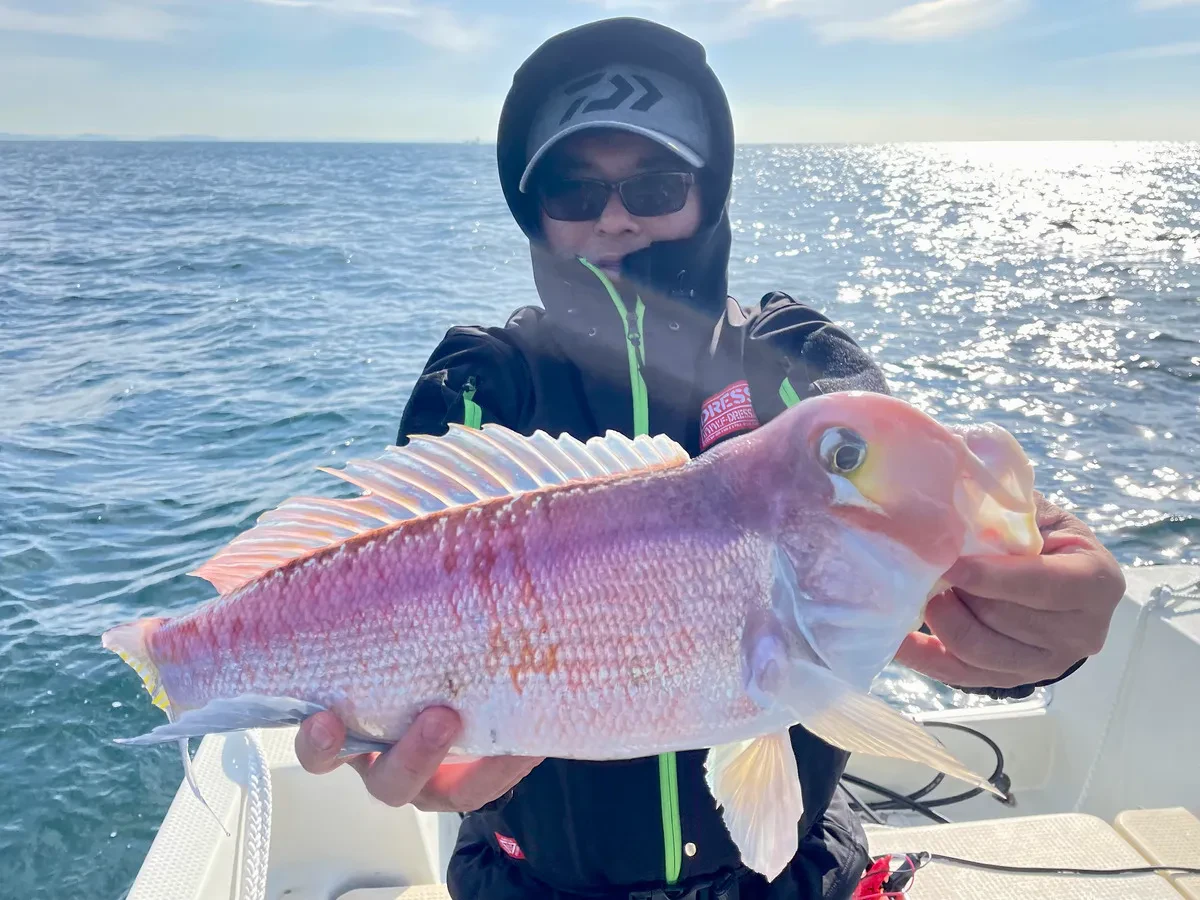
(902, 497)
(939, 491)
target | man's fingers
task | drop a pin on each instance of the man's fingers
(317, 743)
(468, 786)
(1035, 627)
(397, 776)
(361, 763)
(1065, 636)
(1023, 579)
(975, 643)
(926, 654)
(413, 770)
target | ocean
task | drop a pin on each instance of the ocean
(188, 330)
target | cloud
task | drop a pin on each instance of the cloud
(37, 66)
(436, 26)
(145, 21)
(1153, 51)
(635, 6)
(835, 21)
(931, 20)
(1165, 4)
(156, 20)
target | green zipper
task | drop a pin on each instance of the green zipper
(636, 346)
(788, 394)
(472, 412)
(668, 792)
(668, 771)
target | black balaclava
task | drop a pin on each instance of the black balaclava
(690, 272)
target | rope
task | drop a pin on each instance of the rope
(1162, 598)
(256, 835)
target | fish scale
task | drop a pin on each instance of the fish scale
(539, 629)
(607, 600)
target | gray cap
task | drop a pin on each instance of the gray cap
(629, 98)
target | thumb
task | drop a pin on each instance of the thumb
(318, 741)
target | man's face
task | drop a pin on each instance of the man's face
(612, 156)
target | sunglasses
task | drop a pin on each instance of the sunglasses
(646, 195)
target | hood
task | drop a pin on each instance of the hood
(691, 272)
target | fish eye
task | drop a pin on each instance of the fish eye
(842, 451)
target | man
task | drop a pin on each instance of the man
(615, 152)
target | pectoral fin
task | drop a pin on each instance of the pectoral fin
(860, 723)
(756, 785)
(782, 669)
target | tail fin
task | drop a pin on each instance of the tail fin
(131, 642)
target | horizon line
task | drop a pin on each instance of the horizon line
(86, 137)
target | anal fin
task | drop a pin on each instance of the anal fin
(356, 746)
(229, 714)
(758, 788)
(191, 780)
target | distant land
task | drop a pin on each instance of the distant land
(206, 139)
(9, 136)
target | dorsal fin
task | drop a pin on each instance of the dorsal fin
(462, 467)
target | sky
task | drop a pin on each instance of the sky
(437, 70)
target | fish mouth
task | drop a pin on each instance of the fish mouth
(995, 496)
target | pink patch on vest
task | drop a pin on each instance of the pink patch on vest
(509, 846)
(725, 413)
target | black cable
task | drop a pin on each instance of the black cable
(929, 788)
(892, 805)
(924, 857)
(855, 801)
(904, 801)
(997, 778)
(913, 801)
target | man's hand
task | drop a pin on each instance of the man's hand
(413, 770)
(1015, 620)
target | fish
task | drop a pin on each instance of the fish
(605, 599)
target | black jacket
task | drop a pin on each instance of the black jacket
(598, 827)
(686, 361)
(691, 363)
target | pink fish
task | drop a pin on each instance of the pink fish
(608, 599)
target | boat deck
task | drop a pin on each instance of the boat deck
(1138, 838)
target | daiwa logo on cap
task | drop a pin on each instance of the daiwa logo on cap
(622, 90)
(625, 97)
(725, 413)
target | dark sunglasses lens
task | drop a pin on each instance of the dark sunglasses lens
(655, 193)
(573, 201)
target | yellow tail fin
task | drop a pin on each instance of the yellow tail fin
(130, 642)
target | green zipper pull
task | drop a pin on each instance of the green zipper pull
(472, 412)
(787, 393)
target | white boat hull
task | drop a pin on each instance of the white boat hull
(1122, 734)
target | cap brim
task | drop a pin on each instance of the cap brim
(687, 154)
